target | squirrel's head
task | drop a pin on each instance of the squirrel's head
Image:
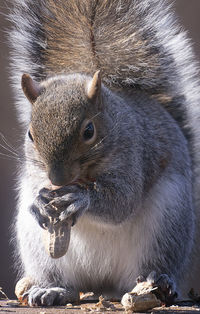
(66, 126)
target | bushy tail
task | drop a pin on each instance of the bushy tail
(135, 43)
(128, 40)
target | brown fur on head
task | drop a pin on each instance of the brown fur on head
(60, 115)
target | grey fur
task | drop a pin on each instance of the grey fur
(143, 160)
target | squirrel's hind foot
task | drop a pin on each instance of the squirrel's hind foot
(50, 296)
(166, 287)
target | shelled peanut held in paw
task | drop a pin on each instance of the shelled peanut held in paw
(141, 298)
(56, 236)
(22, 286)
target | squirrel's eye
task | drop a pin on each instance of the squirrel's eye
(88, 132)
(30, 135)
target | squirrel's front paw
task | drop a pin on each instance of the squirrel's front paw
(39, 209)
(60, 204)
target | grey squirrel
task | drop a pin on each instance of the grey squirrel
(120, 144)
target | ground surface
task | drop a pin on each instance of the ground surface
(12, 307)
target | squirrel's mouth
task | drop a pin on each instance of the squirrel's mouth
(77, 181)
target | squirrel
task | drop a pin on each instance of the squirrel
(110, 114)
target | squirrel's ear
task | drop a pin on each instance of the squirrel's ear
(94, 86)
(31, 88)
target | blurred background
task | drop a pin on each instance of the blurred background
(188, 12)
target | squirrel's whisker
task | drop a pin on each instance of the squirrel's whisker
(96, 115)
(94, 150)
(8, 146)
(8, 150)
(97, 145)
(9, 156)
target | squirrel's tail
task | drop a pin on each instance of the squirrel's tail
(135, 43)
(128, 40)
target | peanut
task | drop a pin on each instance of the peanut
(56, 238)
(140, 299)
(22, 286)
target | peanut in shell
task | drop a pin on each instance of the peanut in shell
(141, 298)
(22, 286)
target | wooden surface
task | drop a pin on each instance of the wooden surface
(13, 307)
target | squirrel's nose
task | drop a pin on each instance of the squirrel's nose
(57, 175)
